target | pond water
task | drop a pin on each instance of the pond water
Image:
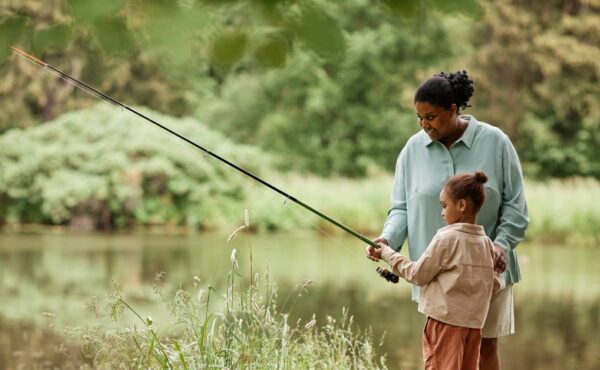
(46, 280)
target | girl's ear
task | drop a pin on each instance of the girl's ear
(462, 205)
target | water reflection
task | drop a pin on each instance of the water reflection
(558, 319)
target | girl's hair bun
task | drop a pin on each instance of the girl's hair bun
(480, 177)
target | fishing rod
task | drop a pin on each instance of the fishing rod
(387, 275)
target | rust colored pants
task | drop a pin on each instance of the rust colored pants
(449, 347)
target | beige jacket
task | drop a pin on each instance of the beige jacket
(455, 273)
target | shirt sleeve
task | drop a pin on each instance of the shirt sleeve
(423, 271)
(395, 229)
(513, 213)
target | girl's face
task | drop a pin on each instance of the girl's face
(452, 210)
(436, 121)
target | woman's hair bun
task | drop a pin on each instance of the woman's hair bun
(480, 177)
(461, 85)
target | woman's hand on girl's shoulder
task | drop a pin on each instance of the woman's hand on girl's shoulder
(499, 259)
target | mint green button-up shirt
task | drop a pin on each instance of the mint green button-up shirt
(424, 166)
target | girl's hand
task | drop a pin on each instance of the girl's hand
(375, 254)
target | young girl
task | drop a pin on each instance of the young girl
(456, 276)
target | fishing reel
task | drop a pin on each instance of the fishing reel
(387, 275)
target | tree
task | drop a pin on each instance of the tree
(345, 116)
(537, 66)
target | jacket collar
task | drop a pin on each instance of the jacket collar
(467, 228)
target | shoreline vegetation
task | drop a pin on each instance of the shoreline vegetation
(244, 326)
(85, 171)
(560, 210)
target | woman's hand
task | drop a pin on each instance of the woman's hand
(375, 254)
(499, 259)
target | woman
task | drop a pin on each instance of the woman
(450, 143)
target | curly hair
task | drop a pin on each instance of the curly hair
(445, 89)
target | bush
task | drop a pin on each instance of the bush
(102, 166)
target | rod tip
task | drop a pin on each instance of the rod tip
(20, 52)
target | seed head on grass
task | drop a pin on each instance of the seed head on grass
(233, 260)
(236, 231)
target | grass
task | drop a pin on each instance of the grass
(564, 212)
(243, 328)
(561, 211)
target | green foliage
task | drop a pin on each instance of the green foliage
(251, 331)
(227, 49)
(10, 30)
(89, 12)
(336, 118)
(187, 44)
(55, 37)
(538, 71)
(104, 167)
(561, 212)
(320, 32)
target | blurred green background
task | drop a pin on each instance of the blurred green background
(314, 96)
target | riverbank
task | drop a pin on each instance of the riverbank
(561, 211)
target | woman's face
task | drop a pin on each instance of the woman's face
(437, 122)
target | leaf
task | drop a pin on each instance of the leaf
(10, 30)
(51, 38)
(468, 7)
(403, 8)
(113, 36)
(272, 52)
(86, 11)
(227, 49)
(171, 31)
(320, 32)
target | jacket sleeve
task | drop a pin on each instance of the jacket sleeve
(395, 229)
(423, 271)
(513, 213)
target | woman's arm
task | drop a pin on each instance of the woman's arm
(513, 212)
(395, 229)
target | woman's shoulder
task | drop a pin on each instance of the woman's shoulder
(489, 132)
(417, 141)
(489, 129)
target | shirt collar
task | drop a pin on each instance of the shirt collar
(467, 137)
(467, 228)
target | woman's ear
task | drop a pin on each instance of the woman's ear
(453, 110)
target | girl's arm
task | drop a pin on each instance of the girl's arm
(424, 270)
